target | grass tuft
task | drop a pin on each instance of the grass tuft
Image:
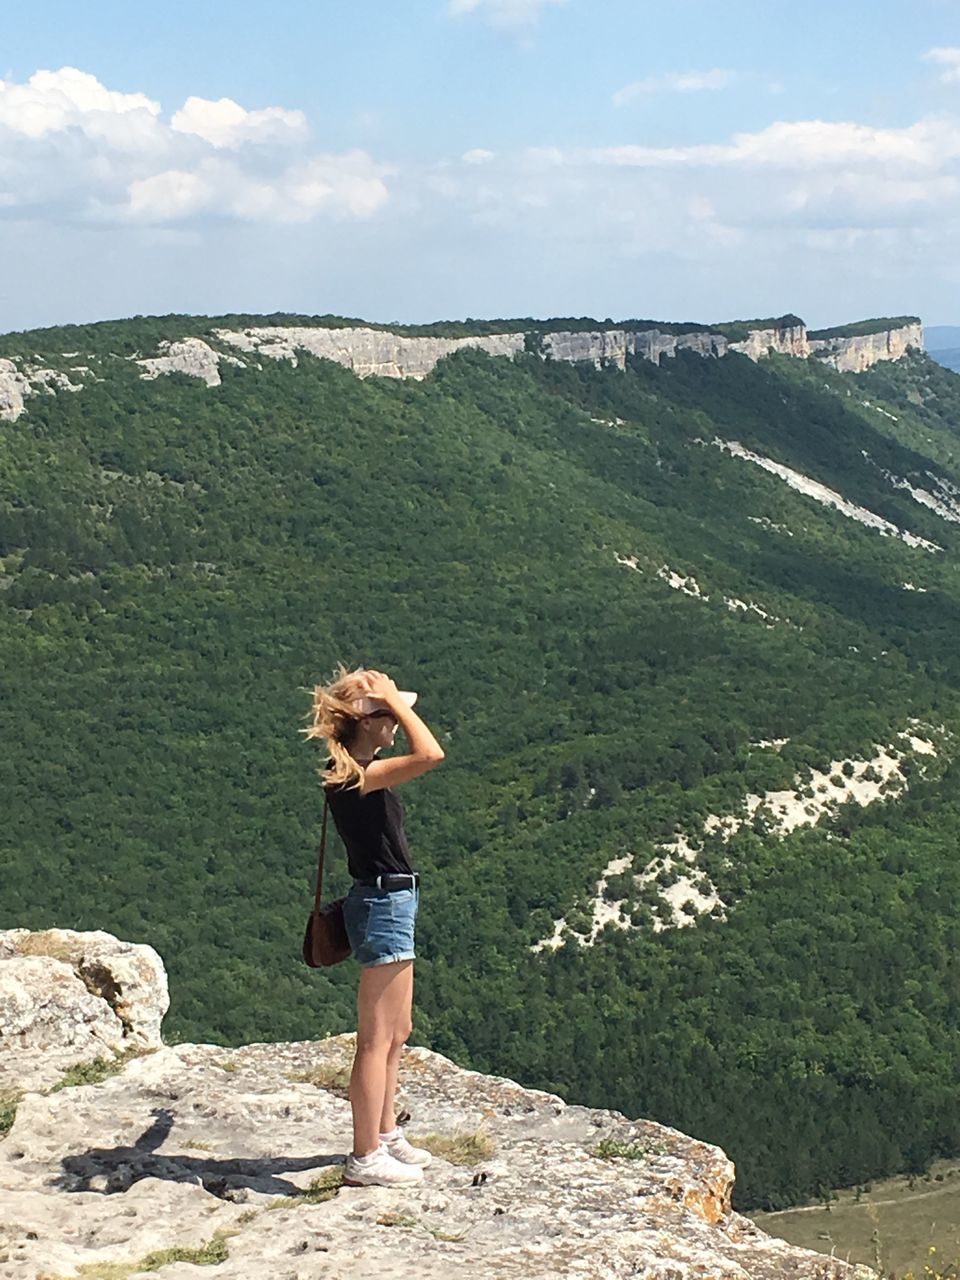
(321, 1189)
(457, 1148)
(97, 1071)
(209, 1254)
(447, 1237)
(396, 1220)
(612, 1149)
(43, 943)
(330, 1076)
(9, 1101)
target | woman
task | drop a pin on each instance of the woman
(358, 714)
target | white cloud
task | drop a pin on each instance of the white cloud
(949, 59)
(794, 187)
(675, 82)
(805, 144)
(477, 156)
(74, 149)
(172, 194)
(225, 123)
(70, 101)
(52, 101)
(511, 15)
(345, 185)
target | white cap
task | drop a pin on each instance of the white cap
(366, 706)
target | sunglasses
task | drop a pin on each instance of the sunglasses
(381, 715)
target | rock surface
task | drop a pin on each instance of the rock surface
(191, 356)
(16, 384)
(193, 1145)
(366, 352)
(854, 355)
(69, 997)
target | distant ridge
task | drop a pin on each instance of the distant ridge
(198, 346)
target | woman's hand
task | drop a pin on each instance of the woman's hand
(379, 685)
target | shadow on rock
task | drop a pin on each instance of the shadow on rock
(109, 1170)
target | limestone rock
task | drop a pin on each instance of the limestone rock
(191, 356)
(378, 352)
(13, 388)
(788, 340)
(854, 355)
(611, 347)
(366, 351)
(68, 997)
(195, 1139)
(242, 1148)
(17, 384)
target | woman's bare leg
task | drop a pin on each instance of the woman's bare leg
(401, 1033)
(383, 1023)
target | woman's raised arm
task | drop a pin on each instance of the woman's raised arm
(424, 753)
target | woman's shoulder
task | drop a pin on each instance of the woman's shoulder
(348, 788)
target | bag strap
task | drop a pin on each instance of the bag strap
(323, 845)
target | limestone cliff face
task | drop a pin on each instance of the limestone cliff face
(378, 352)
(19, 380)
(787, 340)
(241, 1150)
(605, 347)
(854, 355)
(366, 351)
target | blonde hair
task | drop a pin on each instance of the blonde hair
(333, 717)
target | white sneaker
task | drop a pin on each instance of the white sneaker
(401, 1150)
(380, 1169)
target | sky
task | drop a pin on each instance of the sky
(414, 160)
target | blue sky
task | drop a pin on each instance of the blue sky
(427, 159)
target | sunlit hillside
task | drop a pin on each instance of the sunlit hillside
(687, 632)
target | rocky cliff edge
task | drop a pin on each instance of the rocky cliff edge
(163, 1157)
(378, 352)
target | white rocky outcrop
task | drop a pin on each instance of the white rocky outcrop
(379, 352)
(68, 997)
(241, 1151)
(860, 352)
(610, 347)
(691, 894)
(945, 502)
(191, 356)
(18, 381)
(824, 495)
(367, 352)
(787, 340)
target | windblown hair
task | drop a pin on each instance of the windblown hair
(333, 718)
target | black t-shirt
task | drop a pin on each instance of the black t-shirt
(371, 827)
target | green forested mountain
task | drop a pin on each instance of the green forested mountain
(180, 563)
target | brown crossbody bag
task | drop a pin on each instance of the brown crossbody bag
(325, 940)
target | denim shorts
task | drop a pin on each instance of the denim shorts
(380, 923)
